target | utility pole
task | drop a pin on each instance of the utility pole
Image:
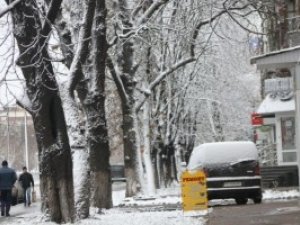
(26, 140)
(7, 130)
(296, 76)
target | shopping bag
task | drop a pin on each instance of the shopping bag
(33, 196)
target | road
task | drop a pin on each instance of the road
(268, 213)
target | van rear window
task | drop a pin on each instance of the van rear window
(222, 152)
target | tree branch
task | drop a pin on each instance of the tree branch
(241, 25)
(151, 10)
(9, 7)
(50, 18)
(117, 79)
(163, 75)
(25, 103)
(212, 19)
(174, 67)
(82, 50)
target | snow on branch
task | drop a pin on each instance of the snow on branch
(9, 7)
(174, 67)
(226, 9)
(82, 50)
(117, 79)
(24, 102)
(151, 10)
(50, 18)
(198, 27)
(162, 76)
(241, 25)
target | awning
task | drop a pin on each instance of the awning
(278, 59)
(271, 105)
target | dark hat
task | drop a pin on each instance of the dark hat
(4, 163)
(24, 168)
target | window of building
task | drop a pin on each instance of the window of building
(289, 157)
(288, 133)
(291, 8)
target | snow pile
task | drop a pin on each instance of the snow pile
(148, 218)
(175, 190)
(148, 201)
(118, 197)
(167, 196)
(274, 194)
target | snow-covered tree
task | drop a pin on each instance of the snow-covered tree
(177, 32)
(41, 98)
(87, 78)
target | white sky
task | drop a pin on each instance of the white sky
(11, 78)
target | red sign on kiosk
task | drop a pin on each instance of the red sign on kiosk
(256, 119)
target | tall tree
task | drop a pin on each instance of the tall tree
(44, 103)
(94, 106)
(87, 78)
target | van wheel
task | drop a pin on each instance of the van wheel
(257, 200)
(241, 201)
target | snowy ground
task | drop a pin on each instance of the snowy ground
(126, 215)
(275, 194)
(22, 216)
(160, 210)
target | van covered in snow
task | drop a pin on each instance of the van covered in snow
(232, 170)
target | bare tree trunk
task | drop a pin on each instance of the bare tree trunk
(55, 160)
(99, 152)
(80, 154)
(92, 96)
(150, 184)
(94, 106)
(150, 188)
(44, 104)
(125, 62)
(133, 183)
(155, 158)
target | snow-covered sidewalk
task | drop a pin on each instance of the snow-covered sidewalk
(128, 215)
(134, 211)
(32, 216)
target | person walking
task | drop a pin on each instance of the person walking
(8, 178)
(27, 182)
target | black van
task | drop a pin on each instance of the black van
(231, 168)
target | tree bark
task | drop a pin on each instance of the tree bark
(125, 62)
(46, 109)
(131, 160)
(45, 106)
(150, 188)
(80, 154)
(97, 140)
(91, 92)
(94, 106)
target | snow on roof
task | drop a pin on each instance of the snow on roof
(275, 105)
(222, 152)
(273, 53)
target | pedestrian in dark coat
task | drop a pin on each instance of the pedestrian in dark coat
(8, 178)
(27, 182)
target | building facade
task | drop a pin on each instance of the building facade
(17, 139)
(279, 124)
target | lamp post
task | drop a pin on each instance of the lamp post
(26, 140)
(7, 130)
(296, 76)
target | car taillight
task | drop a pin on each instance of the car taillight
(257, 170)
